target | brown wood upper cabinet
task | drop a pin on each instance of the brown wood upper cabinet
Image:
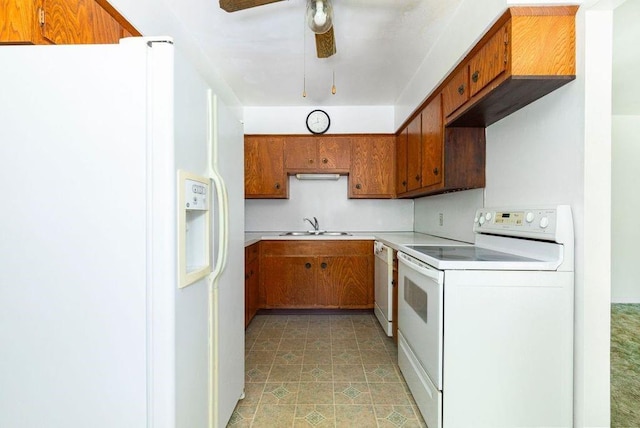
(62, 22)
(264, 175)
(372, 159)
(529, 52)
(317, 154)
(420, 164)
(401, 161)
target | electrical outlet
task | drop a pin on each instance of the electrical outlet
(441, 219)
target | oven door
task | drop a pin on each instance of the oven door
(420, 313)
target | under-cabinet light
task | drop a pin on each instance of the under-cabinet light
(317, 176)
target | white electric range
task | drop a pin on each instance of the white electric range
(486, 331)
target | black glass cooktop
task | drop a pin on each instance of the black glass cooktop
(468, 253)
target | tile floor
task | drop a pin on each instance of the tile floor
(337, 370)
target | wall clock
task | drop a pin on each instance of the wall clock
(318, 122)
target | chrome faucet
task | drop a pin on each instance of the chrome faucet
(314, 223)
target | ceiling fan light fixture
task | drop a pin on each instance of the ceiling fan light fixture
(319, 15)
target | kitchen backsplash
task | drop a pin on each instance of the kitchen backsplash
(449, 215)
(328, 201)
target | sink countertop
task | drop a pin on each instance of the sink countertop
(392, 239)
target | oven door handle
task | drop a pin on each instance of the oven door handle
(425, 270)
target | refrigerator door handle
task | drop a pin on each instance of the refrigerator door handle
(221, 192)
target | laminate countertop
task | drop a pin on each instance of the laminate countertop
(392, 239)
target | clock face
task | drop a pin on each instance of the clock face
(318, 122)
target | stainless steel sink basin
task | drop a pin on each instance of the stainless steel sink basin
(314, 233)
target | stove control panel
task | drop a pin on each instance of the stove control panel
(532, 222)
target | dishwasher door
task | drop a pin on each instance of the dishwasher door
(384, 286)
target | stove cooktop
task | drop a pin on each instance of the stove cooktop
(467, 254)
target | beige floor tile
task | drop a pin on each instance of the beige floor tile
(377, 373)
(289, 356)
(322, 371)
(310, 415)
(256, 373)
(315, 393)
(316, 373)
(285, 373)
(318, 343)
(288, 343)
(348, 373)
(312, 356)
(376, 356)
(351, 393)
(346, 356)
(280, 393)
(274, 415)
(260, 357)
(361, 416)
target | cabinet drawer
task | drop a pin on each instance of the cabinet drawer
(456, 92)
(489, 62)
(316, 248)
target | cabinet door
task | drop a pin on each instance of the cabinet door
(414, 154)
(19, 22)
(334, 153)
(456, 92)
(432, 142)
(348, 278)
(489, 62)
(264, 175)
(78, 22)
(300, 153)
(372, 167)
(289, 281)
(401, 161)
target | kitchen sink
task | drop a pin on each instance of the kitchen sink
(316, 233)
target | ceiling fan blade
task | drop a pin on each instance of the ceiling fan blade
(325, 44)
(235, 5)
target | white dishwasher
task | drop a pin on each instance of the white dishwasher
(384, 286)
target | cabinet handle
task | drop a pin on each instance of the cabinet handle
(404, 183)
(323, 265)
(461, 89)
(393, 282)
(325, 160)
(277, 186)
(310, 160)
(475, 76)
(435, 171)
(418, 177)
(307, 265)
(358, 186)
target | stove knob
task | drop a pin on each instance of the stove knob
(544, 222)
(488, 215)
(530, 217)
(481, 220)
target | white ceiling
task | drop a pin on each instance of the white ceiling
(260, 52)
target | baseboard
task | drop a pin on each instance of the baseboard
(627, 300)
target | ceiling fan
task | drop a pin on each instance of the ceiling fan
(319, 17)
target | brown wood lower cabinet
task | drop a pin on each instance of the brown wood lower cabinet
(317, 274)
(251, 282)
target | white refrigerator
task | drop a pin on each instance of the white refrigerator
(94, 329)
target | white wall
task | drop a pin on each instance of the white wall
(327, 200)
(625, 198)
(457, 209)
(344, 120)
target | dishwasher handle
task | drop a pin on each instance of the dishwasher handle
(422, 268)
